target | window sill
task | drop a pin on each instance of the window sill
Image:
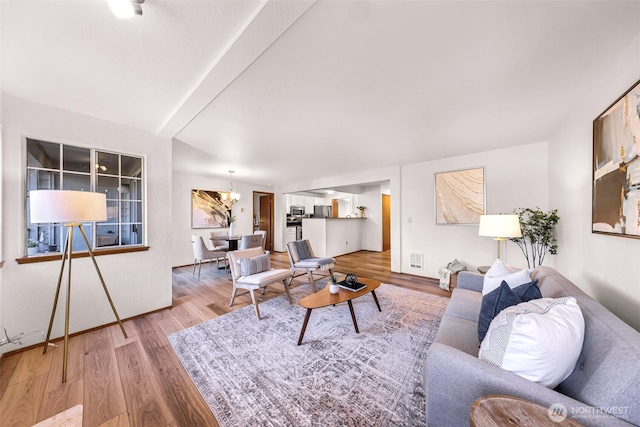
(82, 254)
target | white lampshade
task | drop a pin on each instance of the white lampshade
(500, 226)
(67, 206)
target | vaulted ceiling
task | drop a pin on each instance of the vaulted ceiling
(276, 90)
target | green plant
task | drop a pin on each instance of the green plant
(361, 208)
(230, 219)
(537, 234)
(334, 278)
(31, 243)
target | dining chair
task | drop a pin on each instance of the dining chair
(250, 241)
(264, 237)
(218, 241)
(202, 253)
(302, 258)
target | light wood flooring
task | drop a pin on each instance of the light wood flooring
(140, 381)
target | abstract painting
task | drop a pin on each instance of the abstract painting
(209, 209)
(616, 167)
(460, 196)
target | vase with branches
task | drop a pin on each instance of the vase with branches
(538, 237)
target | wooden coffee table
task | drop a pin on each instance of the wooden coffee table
(324, 298)
(496, 410)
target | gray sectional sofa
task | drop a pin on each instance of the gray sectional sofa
(603, 390)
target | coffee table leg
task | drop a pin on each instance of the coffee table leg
(376, 300)
(353, 316)
(304, 325)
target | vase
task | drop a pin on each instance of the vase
(333, 288)
(231, 230)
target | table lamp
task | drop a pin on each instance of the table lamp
(500, 227)
(71, 208)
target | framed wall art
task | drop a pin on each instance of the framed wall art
(460, 196)
(616, 167)
(209, 210)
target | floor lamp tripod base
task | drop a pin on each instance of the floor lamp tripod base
(68, 252)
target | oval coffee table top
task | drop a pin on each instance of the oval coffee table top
(497, 410)
(324, 298)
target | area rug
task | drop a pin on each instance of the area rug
(253, 372)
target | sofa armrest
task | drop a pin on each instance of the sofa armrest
(454, 380)
(469, 280)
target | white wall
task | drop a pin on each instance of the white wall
(138, 282)
(606, 267)
(514, 177)
(181, 250)
(371, 198)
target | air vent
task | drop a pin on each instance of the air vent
(417, 261)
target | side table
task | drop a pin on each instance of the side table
(483, 269)
(496, 411)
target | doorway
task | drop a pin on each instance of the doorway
(386, 222)
(263, 216)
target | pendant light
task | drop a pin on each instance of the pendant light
(231, 195)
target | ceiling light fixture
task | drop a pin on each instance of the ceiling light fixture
(125, 9)
(231, 195)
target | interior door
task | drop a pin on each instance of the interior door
(266, 218)
(386, 222)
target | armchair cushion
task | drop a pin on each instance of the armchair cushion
(256, 264)
(265, 277)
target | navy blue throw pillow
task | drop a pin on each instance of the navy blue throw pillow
(528, 291)
(492, 304)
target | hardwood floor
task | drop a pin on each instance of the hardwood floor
(140, 381)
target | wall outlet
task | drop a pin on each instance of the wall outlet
(409, 220)
(346, 243)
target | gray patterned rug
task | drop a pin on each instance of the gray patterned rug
(252, 372)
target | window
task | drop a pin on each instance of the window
(53, 166)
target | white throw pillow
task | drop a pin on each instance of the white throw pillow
(539, 340)
(499, 268)
(515, 279)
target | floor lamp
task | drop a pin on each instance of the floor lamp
(500, 227)
(71, 208)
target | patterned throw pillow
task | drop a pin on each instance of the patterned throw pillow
(257, 264)
(539, 340)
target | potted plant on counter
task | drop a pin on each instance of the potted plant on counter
(361, 209)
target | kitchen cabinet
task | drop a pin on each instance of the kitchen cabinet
(289, 234)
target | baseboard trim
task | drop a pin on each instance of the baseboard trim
(19, 350)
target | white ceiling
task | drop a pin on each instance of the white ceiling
(279, 90)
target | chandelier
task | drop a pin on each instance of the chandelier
(231, 196)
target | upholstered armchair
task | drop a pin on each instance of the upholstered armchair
(251, 270)
(202, 253)
(301, 258)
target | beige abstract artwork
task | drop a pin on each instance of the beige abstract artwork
(460, 196)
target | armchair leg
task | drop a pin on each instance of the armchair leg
(199, 268)
(233, 295)
(195, 261)
(255, 303)
(286, 289)
(312, 280)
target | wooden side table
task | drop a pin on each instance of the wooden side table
(496, 411)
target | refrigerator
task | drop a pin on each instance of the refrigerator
(322, 211)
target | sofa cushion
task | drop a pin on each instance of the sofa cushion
(539, 340)
(465, 304)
